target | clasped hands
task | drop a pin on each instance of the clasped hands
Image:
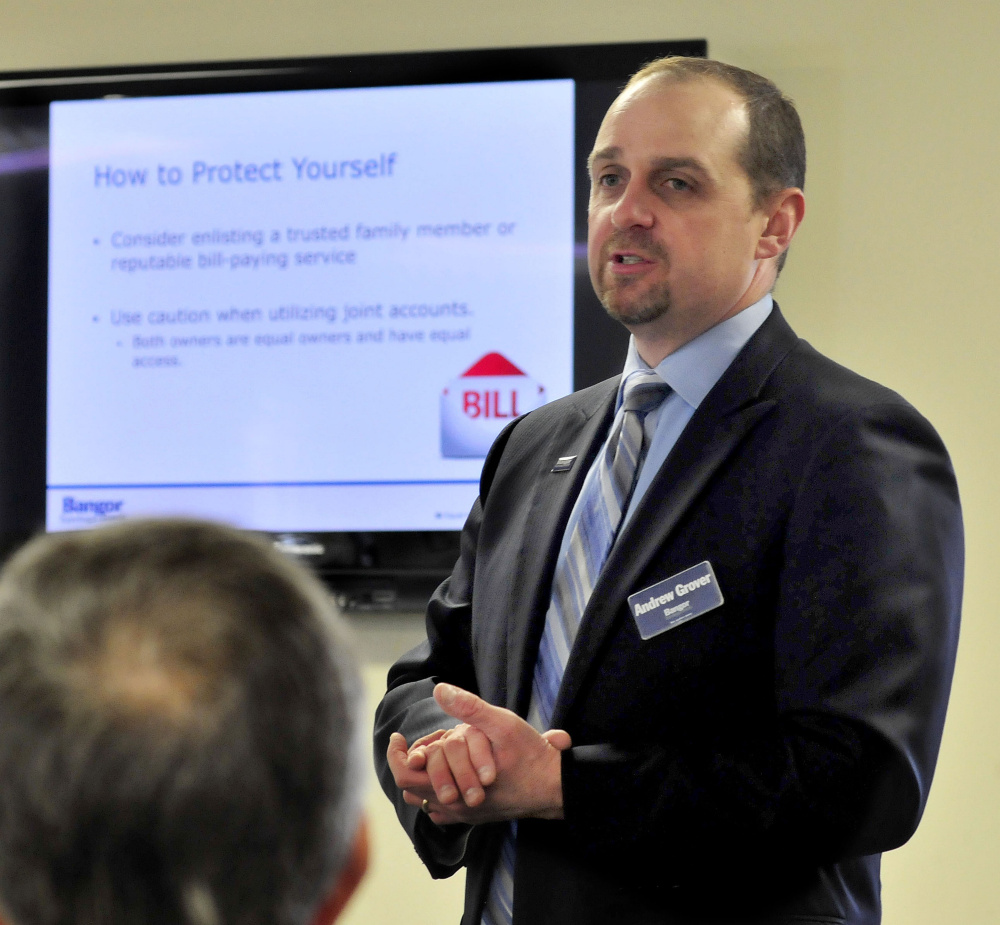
(493, 766)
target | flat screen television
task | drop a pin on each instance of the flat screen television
(301, 296)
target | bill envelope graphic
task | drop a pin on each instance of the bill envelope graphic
(477, 405)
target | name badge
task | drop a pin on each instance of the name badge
(675, 600)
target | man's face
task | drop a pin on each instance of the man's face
(673, 232)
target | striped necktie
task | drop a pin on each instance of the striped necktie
(599, 510)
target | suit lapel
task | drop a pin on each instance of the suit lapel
(727, 415)
(579, 434)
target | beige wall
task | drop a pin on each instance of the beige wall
(896, 273)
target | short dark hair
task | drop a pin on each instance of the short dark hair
(774, 152)
(179, 730)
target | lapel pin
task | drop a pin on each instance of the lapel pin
(564, 464)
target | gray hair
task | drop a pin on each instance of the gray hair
(180, 734)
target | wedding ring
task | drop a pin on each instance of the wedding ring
(425, 807)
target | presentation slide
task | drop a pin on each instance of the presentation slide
(303, 311)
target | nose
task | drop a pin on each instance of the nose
(633, 208)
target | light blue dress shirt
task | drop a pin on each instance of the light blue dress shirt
(691, 372)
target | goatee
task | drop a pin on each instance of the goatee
(615, 297)
(655, 304)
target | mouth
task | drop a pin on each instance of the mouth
(628, 259)
(628, 262)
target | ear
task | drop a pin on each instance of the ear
(348, 880)
(784, 213)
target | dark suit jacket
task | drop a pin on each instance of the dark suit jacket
(751, 764)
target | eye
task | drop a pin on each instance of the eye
(677, 184)
(609, 180)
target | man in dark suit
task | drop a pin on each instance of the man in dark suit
(693, 662)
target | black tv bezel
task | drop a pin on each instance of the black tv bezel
(376, 570)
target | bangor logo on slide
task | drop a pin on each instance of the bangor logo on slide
(90, 512)
(477, 405)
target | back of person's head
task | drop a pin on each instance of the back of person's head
(179, 733)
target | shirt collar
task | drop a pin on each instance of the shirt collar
(692, 370)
